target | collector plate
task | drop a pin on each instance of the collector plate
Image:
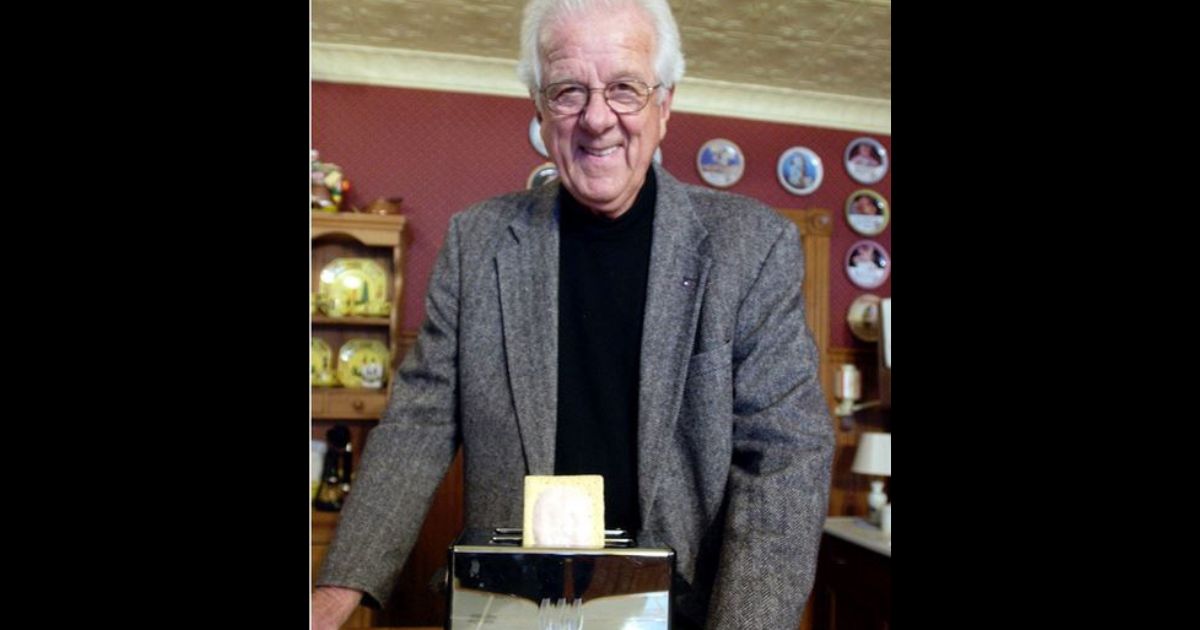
(866, 160)
(868, 264)
(353, 286)
(867, 212)
(799, 170)
(363, 363)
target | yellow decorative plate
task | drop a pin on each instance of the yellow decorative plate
(320, 364)
(363, 363)
(353, 286)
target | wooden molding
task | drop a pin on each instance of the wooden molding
(816, 228)
(427, 70)
(375, 230)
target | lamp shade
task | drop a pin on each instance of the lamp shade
(874, 455)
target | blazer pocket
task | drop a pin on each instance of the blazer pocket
(707, 410)
(710, 360)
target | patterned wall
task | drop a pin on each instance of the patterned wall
(442, 151)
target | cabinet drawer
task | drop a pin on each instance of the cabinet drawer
(348, 404)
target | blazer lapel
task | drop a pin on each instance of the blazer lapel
(527, 269)
(678, 273)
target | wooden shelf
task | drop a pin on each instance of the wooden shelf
(352, 321)
(376, 230)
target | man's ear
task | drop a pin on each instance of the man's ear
(537, 110)
(665, 112)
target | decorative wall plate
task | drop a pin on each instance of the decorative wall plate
(535, 137)
(867, 212)
(863, 317)
(541, 174)
(868, 264)
(866, 160)
(799, 170)
(720, 162)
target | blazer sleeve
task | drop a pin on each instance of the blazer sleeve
(778, 486)
(408, 453)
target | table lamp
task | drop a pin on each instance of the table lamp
(874, 457)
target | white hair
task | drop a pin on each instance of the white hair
(668, 56)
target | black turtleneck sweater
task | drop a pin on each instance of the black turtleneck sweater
(603, 267)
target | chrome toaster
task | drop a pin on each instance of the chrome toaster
(495, 584)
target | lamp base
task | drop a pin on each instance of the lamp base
(875, 502)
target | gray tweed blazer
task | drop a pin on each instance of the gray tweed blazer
(734, 437)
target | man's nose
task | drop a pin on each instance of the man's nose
(597, 115)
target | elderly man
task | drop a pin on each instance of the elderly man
(619, 323)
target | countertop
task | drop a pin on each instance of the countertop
(858, 531)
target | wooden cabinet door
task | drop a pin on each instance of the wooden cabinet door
(853, 589)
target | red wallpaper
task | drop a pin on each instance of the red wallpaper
(442, 151)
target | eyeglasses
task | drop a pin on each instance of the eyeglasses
(624, 97)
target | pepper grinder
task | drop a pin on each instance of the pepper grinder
(335, 478)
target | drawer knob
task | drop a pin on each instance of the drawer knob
(357, 404)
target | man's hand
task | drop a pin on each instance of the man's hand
(332, 606)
